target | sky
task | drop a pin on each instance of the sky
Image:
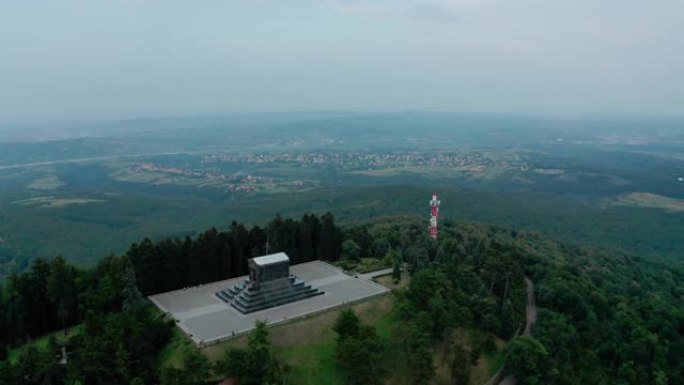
(121, 59)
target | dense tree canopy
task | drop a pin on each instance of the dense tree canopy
(604, 317)
(215, 255)
(526, 358)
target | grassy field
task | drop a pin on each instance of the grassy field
(48, 182)
(387, 281)
(49, 201)
(316, 329)
(308, 345)
(429, 172)
(128, 172)
(42, 342)
(487, 365)
(172, 354)
(650, 201)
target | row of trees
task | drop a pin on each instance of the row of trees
(215, 255)
(117, 342)
(53, 295)
(40, 300)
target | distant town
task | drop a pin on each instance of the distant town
(352, 161)
(265, 172)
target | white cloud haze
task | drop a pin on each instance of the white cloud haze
(74, 59)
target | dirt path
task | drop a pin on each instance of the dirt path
(530, 319)
(377, 273)
(531, 311)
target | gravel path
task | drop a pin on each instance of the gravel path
(377, 273)
(530, 319)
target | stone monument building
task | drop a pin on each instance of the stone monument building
(269, 284)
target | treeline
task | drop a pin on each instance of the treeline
(604, 317)
(471, 275)
(118, 337)
(215, 255)
(470, 279)
(10, 261)
(53, 295)
(466, 288)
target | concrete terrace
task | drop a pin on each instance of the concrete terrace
(206, 319)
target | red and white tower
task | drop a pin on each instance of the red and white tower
(434, 212)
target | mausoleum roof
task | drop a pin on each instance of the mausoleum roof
(273, 258)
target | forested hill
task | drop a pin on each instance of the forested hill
(604, 317)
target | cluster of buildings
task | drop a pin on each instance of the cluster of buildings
(234, 181)
(364, 161)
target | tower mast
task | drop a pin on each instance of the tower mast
(434, 212)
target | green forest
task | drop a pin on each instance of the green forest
(605, 317)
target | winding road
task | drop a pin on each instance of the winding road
(88, 159)
(531, 312)
(530, 319)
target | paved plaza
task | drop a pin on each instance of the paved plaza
(207, 319)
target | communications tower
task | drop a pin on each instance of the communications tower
(434, 212)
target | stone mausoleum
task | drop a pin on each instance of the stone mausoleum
(269, 284)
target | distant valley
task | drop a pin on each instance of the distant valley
(89, 196)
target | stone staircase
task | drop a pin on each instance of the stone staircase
(227, 295)
(250, 298)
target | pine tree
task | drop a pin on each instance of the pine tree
(347, 325)
(133, 300)
(60, 288)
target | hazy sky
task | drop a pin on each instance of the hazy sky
(92, 59)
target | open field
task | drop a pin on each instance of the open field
(206, 178)
(488, 365)
(49, 182)
(548, 171)
(309, 344)
(429, 172)
(480, 372)
(650, 201)
(42, 342)
(207, 319)
(386, 280)
(172, 354)
(55, 202)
